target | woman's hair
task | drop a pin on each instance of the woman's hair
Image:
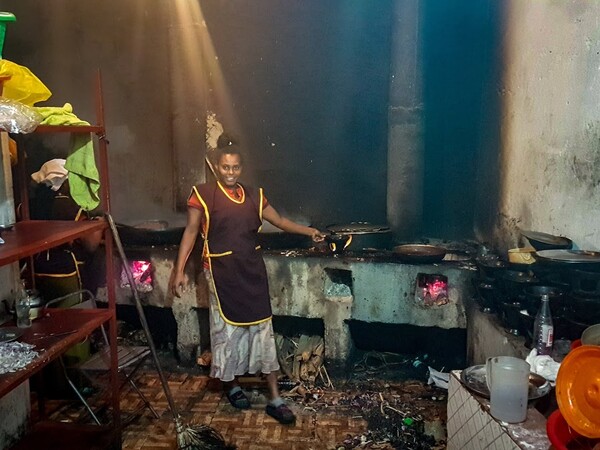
(227, 146)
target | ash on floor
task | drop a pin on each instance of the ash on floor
(389, 391)
(380, 401)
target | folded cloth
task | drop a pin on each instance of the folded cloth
(543, 365)
(84, 180)
(59, 115)
(52, 173)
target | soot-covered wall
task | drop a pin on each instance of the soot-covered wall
(462, 65)
(307, 89)
(309, 86)
(311, 89)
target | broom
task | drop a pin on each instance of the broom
(189, 437)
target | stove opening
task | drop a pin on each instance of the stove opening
(432, 289)
(142, 275)
(338, 283)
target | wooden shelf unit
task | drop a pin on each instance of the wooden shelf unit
(58, 330)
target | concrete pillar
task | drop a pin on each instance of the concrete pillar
(405, 138)
(338, 342)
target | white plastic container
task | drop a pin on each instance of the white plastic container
(508, 381)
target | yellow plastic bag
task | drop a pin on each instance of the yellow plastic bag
(23, 86)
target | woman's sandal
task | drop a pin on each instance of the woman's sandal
(238, 400)
(282, 413)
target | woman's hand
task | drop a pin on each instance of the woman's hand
(316, 235)
(177, 282)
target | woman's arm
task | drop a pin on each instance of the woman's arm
(178, 279)
(273, 217)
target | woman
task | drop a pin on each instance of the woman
(65, 269)
(230, 216)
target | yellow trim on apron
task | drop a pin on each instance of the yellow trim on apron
(206, 252)
(218, 255)
(241, 200)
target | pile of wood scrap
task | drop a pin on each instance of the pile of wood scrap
(301, 359)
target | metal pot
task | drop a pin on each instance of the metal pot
(359, 236)
(420, 253)
(490, 266)
(36, 304)
(533, 298)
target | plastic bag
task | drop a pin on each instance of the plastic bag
(23, 86)
(15, 117)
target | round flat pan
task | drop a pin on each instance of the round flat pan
(545, 240)
(420, 253)
(358, 228)
(569, 256)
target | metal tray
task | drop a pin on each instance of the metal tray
(474, 379)
(8, 334)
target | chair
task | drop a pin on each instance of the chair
(129, 358)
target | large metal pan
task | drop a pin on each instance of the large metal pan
(139, 236)
(359, 236)
(544, 241)
(420, 253)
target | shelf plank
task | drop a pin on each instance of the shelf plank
(67, 436)
(52, 334)
(70, 129)
(34, 236)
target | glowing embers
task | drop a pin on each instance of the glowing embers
(142, 275)
(432, 289)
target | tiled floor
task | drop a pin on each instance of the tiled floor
(200, 401)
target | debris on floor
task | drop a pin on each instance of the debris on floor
(401, 412)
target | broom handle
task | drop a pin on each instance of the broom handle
(140, 310)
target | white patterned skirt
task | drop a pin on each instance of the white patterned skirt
(238, 350)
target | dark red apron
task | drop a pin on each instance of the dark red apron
(236, 264)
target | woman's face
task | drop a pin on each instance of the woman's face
(229, 169)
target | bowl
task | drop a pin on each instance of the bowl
(591, 335)
(561, 435)
(584, 308)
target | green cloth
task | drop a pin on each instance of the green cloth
(59, 115)
(84, 180)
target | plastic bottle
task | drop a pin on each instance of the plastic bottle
(543, 328)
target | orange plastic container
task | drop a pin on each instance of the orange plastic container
(578, 390)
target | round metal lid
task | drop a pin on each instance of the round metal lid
(358, 228)
(569, 256)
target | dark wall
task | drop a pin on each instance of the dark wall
(64, 43)
(305, 88)
(461, 72)
(309, 85)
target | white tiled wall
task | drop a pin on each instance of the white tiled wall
(470, 426)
